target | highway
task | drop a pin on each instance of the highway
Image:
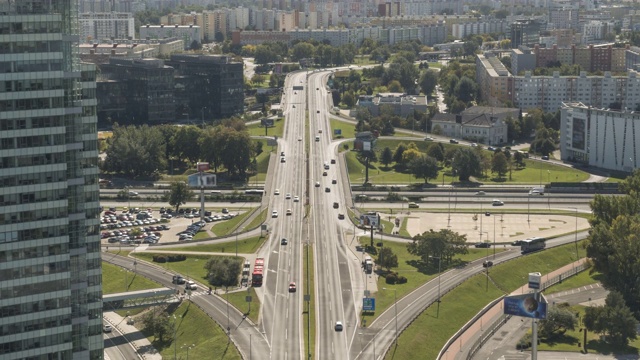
(117, 347)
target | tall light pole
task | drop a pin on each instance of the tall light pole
(494, 237)
(175, 338)
(228, 324)
(204, 107)
(576, 234)
(395, 306)
(188, 347)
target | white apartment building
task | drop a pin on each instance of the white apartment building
(460, 31)
(600, 137)
(105, 26)
(50, 263)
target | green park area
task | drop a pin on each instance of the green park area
(257, 129)
(534, 172)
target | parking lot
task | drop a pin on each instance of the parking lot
(140, 226)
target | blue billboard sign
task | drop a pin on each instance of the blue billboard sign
(526, 305)
(368, 304)
(337, 131)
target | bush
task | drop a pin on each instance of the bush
(159, 259)
(391, 278)
(169, 258)
(402, 280)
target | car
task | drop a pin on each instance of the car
(340, 216)
(177, 279)
(497, 202)
(333, 161)
(282, 159)
(474, 145)
(288, 212)
(288, 196)
(338, 326)
(317, 111)
(281, 153)
(336, 205)
(274, 214)
(428, 138)
(491, 148)
(517, 243)
(545, 157)
(317, 183)
(334, 181)
(189, 216)
(480, 193)
(413, 205)
(535, 192)
(324, 173)
(276, 192)
(317, 88)
(487, 213)
(296, 198)
(107, 328)
(319, 131)
(487, 263)
(133, 193)
(294, 106)
(299, 139)
(225, 210)
(284, 241)
(295, 93)
(191, 285)
(292, 287)
(482, 245)
(453, 141)
(327, 189)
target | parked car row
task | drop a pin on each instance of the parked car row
(191, 231)
(111, 223)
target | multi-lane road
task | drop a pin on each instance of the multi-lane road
(306, 146)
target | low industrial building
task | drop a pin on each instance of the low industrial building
(401, 104)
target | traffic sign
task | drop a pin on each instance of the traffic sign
(368, 304)
(247, 298)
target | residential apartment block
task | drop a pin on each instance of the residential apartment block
(106, 26)
(50, 264)
(591, 58)
(498, 86)
(600, 137)
(190, 34)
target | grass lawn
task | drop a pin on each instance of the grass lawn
(258, 130)
(239, 300)
(245, 246)
(191, 268)
(348, 129)
(195, 327)
(363, 60)
(534, 172)
(116, 279)
(262, 161)
(225, 227)
(259, 219)
(434, 65)
(428, 333)
(403, 227)
(310, 315)
(408, 266)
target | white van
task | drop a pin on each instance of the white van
(191, 285)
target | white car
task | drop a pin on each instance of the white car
(288, 196)
(277, 192)
(317, 183)
(296, 198)
(107, 328)
(274, 214)
(481, 193)
(474, 144)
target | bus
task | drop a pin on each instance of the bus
(258, 272)
(533, 244)
(254, 192)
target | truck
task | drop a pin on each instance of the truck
(538, 190)
(367, 263)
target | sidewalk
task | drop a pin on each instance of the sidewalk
(133, 336)
(459, 349)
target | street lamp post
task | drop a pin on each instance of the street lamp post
(228, 324)
(188, 347)
(439, 273)
(395, 306)
(175, 338)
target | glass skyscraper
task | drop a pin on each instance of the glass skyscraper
(50, 270)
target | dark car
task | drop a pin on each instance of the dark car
(453, 141)
(545, 157)
(340, 216)
(483, 245)
(336, 205)
(334, 181)
(487, 263)
(333, 161)
(284, 241)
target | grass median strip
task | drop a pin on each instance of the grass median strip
(309, 314)
(257, 221)
(245, 246)
(226, 227)
(116, 280)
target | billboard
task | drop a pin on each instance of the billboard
(337, 131)
(266, 122)
(203, 166)
(526, 305)
(208, 180)
(368, 304)
(370, 220)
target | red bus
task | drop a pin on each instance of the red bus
(258, 271)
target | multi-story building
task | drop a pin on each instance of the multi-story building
(522, 59)
(462, 30)
(105, 26)
(191, 34)
(401, 104)
(144, 88)
(209, 85)
(591, 58)
(494, 80)
(525, 32)
(50, 265)
(600, 137)
(564, 18)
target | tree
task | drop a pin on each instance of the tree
(387, 259)
(156, 322)
(397, 155)
(186, 141)
(444, 244)
(518, 158)
(387, 157)
(428, 81)
(223, 271)
(465, 90)
(436, 151)
(136, 151)
(614, 319)
(349, 99)
(499, 164)
(466, 163)
(559, 319)
(302, 50)
(179, 193)
(424, 167)
(394, 86)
